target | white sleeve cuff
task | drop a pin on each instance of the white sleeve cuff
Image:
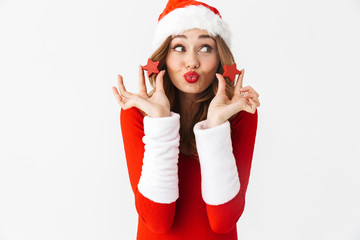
(219, 177)
(159, 175)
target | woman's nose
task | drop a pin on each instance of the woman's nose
(192, 61)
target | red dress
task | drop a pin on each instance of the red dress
(189, 217)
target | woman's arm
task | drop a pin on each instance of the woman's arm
(151, 149)
(225, 160)
(153, 174)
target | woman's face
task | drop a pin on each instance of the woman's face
(192, 61)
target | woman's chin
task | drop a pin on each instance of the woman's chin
(191, 89)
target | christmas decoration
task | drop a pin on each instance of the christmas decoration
(151, 67)
(231, 71)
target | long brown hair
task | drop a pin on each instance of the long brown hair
(203, 99)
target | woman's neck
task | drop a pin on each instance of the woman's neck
(185, 102)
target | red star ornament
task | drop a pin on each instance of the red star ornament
(151, 67)
(231, 71)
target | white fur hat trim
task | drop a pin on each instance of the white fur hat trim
(193, 16)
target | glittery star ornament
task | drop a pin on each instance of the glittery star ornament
(151, 67)
(231, 71)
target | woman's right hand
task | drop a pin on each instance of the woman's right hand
(157, 105)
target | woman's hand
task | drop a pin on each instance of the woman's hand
(221, 108)
(155, 106)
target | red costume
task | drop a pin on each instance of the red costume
(189, 216)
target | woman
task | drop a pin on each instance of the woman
(189, 142)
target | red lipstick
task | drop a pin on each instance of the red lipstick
(191, 77)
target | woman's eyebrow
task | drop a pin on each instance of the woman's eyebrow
(204, 36)
(183, 36)
(180, 36)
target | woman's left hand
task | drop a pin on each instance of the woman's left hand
(222, 108)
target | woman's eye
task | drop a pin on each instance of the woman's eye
(205, 49)
(179, 48)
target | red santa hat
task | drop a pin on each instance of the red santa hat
(181, 15)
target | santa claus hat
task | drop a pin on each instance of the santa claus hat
(181, 15)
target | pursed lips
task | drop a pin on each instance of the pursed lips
(191, 77)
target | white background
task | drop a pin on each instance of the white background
(62, 168)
